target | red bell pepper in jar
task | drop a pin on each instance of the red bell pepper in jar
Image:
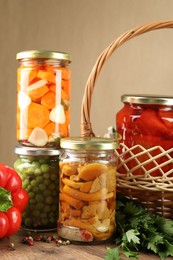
(146, 122)
(13, 200)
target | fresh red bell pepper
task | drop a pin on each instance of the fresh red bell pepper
(13, 200)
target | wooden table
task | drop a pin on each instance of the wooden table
(44, 251)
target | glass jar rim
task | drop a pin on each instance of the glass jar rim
(88, 143)
(22, 150)
(147, 99)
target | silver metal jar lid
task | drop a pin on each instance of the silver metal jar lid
(22, 150)
(88, 143)
(147, 99)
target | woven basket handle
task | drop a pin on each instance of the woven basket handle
(86, 126)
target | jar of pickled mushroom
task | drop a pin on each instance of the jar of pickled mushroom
(39, 170)
(146, 123)
(87, 189)
(43, 97)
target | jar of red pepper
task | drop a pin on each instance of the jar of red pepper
(144, 122)
(43, 97)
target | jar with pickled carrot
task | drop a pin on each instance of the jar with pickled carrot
(87, 198)
(43, 97)
(145, 122)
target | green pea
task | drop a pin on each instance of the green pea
(28, 222)
(49, 200)
(35, 165)
(17, 163)
(52, 220)
(31, 170)
(31, 195)
(46, 175)
(32, 201)
(39, 197)
(33, 182)
(47, 182)
(55, 193)
(54, 207)
(44, 168)
(29, 188)
(35, 213)
(24, 214)
(30, 158)
(40, 205)
(42, 187)
(31, 209)
(43, 215)
(52, 186)
(22, 168)
(44, 221)
(35, 189)
(39, 179)
(47, 192)
(47, 208)
(42, 161)
(53, 177)
(51, 214)
(37, 171)
(25, 183)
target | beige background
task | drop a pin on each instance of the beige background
(84, 28)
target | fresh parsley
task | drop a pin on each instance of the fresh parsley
(140, 231)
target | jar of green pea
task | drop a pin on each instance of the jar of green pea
(39, 170)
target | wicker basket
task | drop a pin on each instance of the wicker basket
(156, 193)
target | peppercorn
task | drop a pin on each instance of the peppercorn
(38, 238)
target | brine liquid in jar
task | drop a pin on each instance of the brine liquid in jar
(43, 98)
(87, 190)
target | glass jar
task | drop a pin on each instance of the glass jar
(144, 122)
(39, 170)
(43, 97)
(87, 189)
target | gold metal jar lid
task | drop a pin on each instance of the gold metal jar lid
(147, 99)
(88, 143)
(35, 151)
(43, 54)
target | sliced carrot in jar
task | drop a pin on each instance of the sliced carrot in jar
(52, 87)
(47, 75)
(67, 117)
(63, 130)
(37, 90)
(49, 128)
(64, 95)
(48, 100)
(32, 75)
(38, 115)
(66, 87)
(65, 72)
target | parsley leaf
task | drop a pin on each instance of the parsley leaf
(140, 231)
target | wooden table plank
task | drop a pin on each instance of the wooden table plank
(44, 251)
